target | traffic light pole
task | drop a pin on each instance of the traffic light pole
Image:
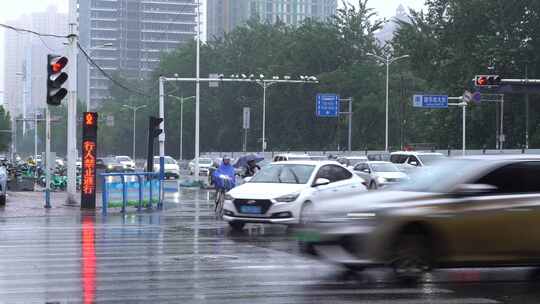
(72, 104)
(48, 165)
(463, 106)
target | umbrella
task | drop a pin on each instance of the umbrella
(242, 161)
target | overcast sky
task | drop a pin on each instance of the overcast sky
(12, 9)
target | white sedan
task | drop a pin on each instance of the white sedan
(286, 192)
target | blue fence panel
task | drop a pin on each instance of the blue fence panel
(117, 186)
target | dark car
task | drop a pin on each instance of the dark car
(109, 165)
(474, 211)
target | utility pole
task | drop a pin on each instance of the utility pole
(72, 104)
(198, 91)
(350, 114)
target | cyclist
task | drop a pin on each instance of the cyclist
(224, 180)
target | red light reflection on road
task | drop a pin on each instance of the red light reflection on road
(88, 261)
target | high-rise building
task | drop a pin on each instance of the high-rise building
(128, 37)
(224, 15)
(26, 58)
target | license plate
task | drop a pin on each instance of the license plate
(250, 209)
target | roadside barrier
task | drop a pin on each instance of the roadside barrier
(145, 180)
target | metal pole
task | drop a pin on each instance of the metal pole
(350, 124)
(181, 126)
(35, 135)
(47, 158)
(527, 121)
(197, 90)
(501, 145)
(161, 136)
(134, 132)
(387, 93)
(72, 104)
(88, 72)
(463, 147)
(264, 119)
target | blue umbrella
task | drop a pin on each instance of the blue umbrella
(242, 161)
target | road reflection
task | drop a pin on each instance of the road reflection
(88, 261)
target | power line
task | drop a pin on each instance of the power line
(109, 76)
(9, 27)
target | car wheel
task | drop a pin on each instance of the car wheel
(306, 214)
(238, 226)
(373, 186)
(3, 200)
(412, 256)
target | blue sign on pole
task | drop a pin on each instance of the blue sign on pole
(430, 101)
(327, 105)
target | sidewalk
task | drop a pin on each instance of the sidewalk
(28, 204)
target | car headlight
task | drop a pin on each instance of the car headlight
(381, 180)
(287, 198)
(110, 166)
(228, 197)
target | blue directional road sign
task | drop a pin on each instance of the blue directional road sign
(430, 101)
(327, 105)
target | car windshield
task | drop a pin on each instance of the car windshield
(384, 168)
(354, 161)
(430, 159)
(123, 158)
(442, 177)
(284, 174)
(168, 160)
(204, 161)
(299, 158)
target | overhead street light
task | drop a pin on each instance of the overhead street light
(182, 99)
(387, 61)
(134, 109)
(90, 51)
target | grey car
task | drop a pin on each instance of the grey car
(469, 212)
(378, 174)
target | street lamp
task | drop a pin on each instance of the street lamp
(134, 109)
(388, 61)
(109, 44)
(182, 99)
(266, 83)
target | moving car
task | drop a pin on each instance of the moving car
(127, 162)
(351, 161)
(291, 157)
(109, 165)
(473, 211)
(204, 166)
(286, 192)
(3, 185)
(378, 174)
(409, 160)
(171, 168)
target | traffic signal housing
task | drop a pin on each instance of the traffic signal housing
(487, 80)
(55, 79)
(153, 131)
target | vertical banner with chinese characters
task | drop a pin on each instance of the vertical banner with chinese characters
(89, 154)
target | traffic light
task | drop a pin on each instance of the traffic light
(55, 79)
(487, 80)
(153, 132)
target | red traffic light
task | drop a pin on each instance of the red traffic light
(58, 64)
(487, 80)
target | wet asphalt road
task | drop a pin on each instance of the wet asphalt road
(185, 255)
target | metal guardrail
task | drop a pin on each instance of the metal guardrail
(151, 176)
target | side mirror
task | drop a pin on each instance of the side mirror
(366, 170)
(247, 179)
(414, 163)
(473, 189)
(321, 182)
